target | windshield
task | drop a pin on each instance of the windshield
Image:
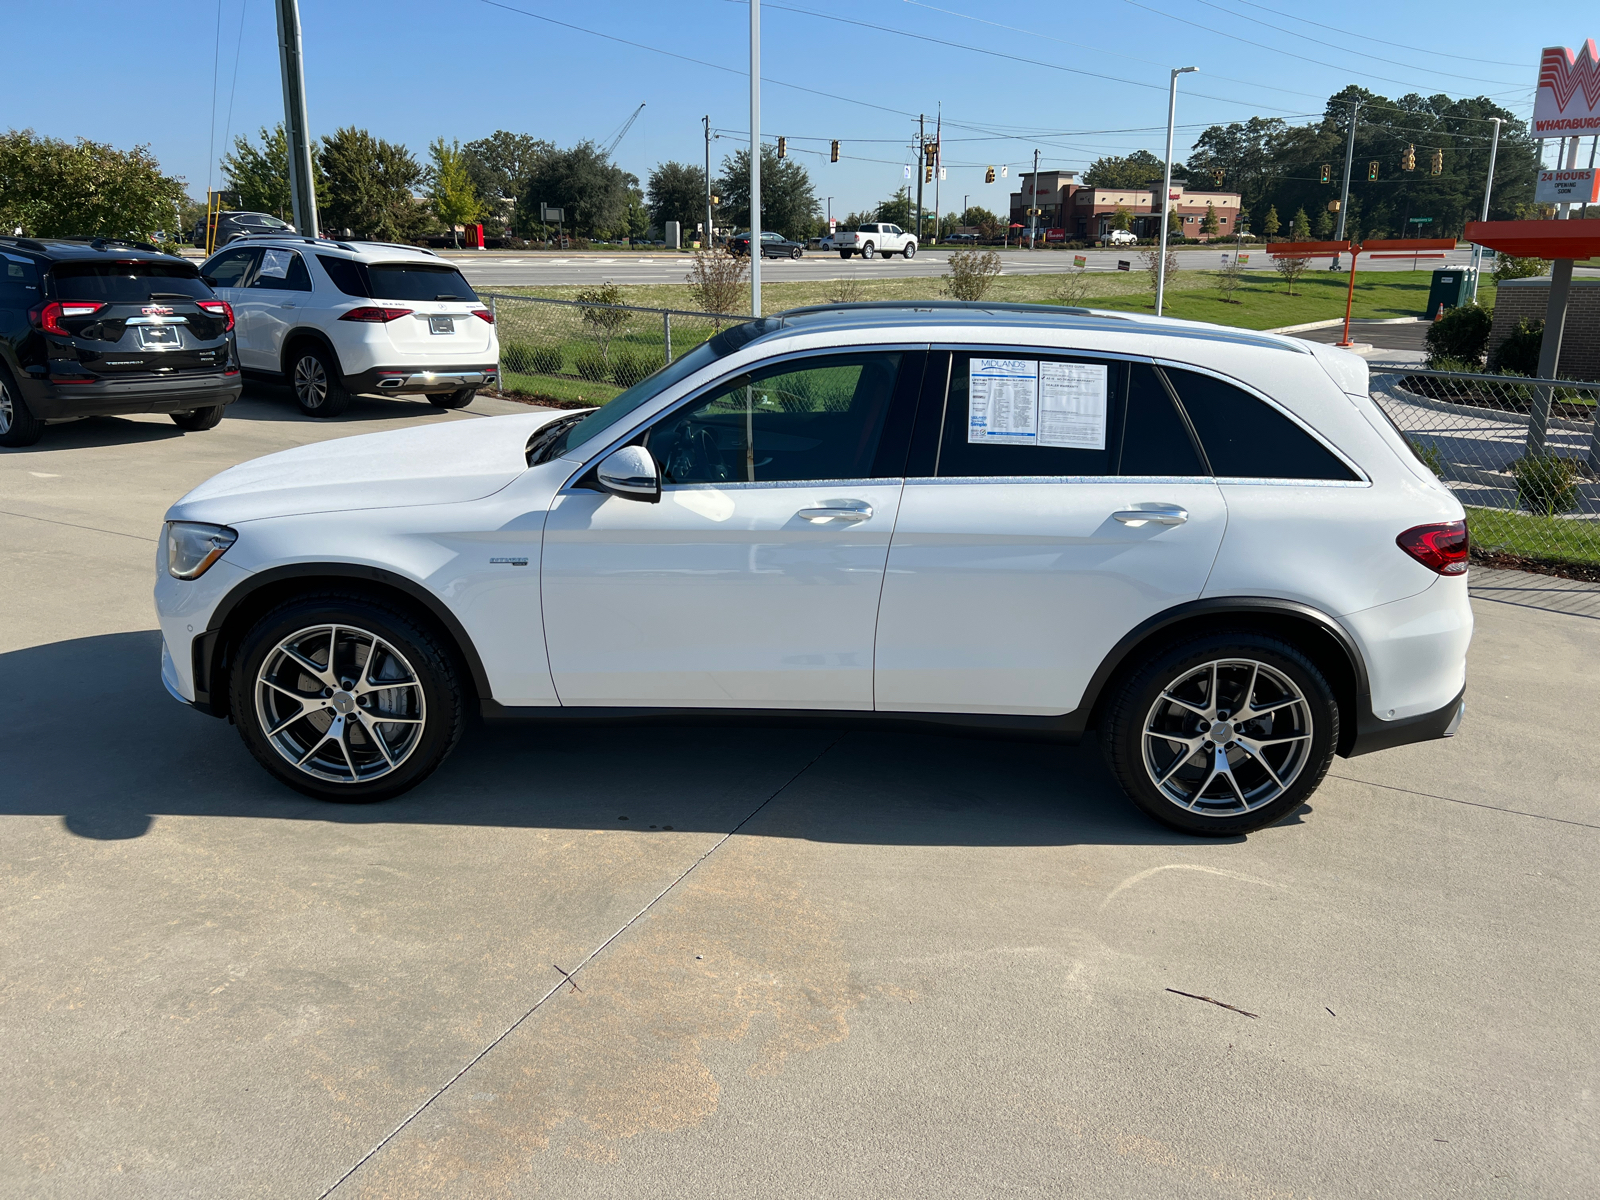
(576, 433)
(127, 282)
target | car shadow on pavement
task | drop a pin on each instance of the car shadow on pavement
(93, 738)
(95, 432)
(274, 402)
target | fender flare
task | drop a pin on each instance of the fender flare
(302, 333)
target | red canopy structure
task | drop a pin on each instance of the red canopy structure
(1374, 245)
(1538, 239)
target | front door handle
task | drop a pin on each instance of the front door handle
(838, 510)
(1166, 514)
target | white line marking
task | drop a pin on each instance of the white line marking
(1143, 875)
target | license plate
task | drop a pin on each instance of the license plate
(159, 337)
(441, 324)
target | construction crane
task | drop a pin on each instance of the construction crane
(623, 132)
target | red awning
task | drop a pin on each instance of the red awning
(1317, 249)
(1538, 239)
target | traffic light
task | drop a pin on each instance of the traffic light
(1438, 163)
(1372, 170)
(930, 152)
(834, 157)
(1219, 175)
(927, 174)
(988, 176)
(1408, 160)
(783, 147)
(1327, 173)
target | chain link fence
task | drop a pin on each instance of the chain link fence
(1523, 455)
(568, 351)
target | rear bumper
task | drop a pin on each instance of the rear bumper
(1373, 733)
(414, 380)
(50, 400)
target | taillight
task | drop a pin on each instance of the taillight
(379, 316)
(483, 314)
(1441, 548)
(48, 316)
(218, 308)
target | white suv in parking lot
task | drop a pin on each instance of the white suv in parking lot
(1208, 545)
(336, 318)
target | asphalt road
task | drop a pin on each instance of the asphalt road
(803, 963)
(490, 269)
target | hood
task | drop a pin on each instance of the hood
(443, 463)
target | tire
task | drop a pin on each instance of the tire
(197, 419)
(318, 387)
(1155, 733)
(459, 398)
(18, 426)
(796, 252)
(846, 253)
(374, 760)
(868, 251)
(910, 251)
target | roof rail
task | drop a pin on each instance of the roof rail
(396, 245)
(949, 306)
(291, 237)
(25, 243)
(100, 243)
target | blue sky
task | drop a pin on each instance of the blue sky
(411, 71)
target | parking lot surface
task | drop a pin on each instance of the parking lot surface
(755, 962)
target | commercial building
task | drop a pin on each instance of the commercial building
(1072, 211)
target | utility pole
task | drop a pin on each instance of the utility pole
(1033, 209)
(1166, 188)
(706, 121)
(1488, 186)
(922, 168)
(755, 158)
(938, 169)
(292, 61)
(1344, 192)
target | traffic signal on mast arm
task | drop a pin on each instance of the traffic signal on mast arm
(834, 157)
(783, 147)
(1437, 166)
(988, 176)
(927, 174)
(1327, 173)
(1372, 170)
(1408, 160)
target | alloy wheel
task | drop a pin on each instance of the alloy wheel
(7, 412)
(340, 704)
(310, 382)
(1227, 737)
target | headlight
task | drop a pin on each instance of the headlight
(193, 547)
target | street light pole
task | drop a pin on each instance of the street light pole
(755, 158)
(705, 244)
(1166, 187)
(1344, 192)
(1033, 211)
(1488, 186)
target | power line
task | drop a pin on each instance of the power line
(1493, 62)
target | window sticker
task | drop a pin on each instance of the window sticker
(1003, 401)
(275, 264)
(1072, 405)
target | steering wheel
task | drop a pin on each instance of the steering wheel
(695, 457)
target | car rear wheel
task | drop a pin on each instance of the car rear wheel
(318, 389)
(18, 426)
(197, 419)
(345, 698)
(1221, 735)
(459, 398)
(846, 253)
(868, 250)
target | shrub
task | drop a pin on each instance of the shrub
(1462, 334)
(1506, 267)
(524, 359)
(591, 365)
(1546, 485)
(604, 323)
(971, 273)
(716, 280)
(1519, 353)
(629, 367)
(1150, 260)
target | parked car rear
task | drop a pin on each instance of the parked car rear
(103, 327)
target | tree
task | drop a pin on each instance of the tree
(788, 202)
(1229, 278)
(1121, 218)
(716, 280)
(450, 188)
(1291, 267)
(1270, 224)
(260, 175)
(499, 167)
(1151, 261)
(971, 273)
(369, 186)
(1323, 227)
(1137, 170)
(896, 210)
(1174, 223)
(1300, 227)
(584, 182)
(1208, 223)
(677, 193)
(54, 188)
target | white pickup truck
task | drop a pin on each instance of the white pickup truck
(872, 240)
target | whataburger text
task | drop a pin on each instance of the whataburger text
(1025, 402)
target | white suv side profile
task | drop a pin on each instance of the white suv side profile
(337, 318)
(1207, 546)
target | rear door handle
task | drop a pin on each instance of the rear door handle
(838, 510)
(1166, 514)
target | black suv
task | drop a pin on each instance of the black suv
(234, 225)
(98, 328)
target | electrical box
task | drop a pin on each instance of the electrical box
(1452, 287)
(673, 235)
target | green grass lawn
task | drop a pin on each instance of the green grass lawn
(1549, 538)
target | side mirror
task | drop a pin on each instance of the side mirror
(631, 472)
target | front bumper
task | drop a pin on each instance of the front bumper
(50, 400)
(415, 380)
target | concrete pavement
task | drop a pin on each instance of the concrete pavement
(805, 963)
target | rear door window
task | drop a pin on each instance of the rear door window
(417, 281)
(283, 271)
(1012, 413)
(127, 282)
(1155, 439)
(231, 268)
(1245, 438)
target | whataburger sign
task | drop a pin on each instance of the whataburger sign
(1568, 100)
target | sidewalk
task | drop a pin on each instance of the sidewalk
(1549, 592)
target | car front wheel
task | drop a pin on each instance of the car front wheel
(796, 252)
(18, 426)
(318, 388)
(345, 698)
(1221, 735)
(911, 250)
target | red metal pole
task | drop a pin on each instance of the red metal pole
(1350, 296)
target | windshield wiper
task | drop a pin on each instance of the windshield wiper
(544, 439)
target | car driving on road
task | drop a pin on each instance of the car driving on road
(1204, 545)
(773, 245)
(878, 238)
(105, 327)
(336, 318)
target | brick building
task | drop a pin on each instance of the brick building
(1580, 336)
(1086, 214)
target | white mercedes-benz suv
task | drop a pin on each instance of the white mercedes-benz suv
(1207, 546)
(337, 318)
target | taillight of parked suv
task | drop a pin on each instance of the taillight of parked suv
(374, 314)
(1441, 548)
(48, 317)
(218, 308)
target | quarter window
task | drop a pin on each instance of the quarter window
(1245, 438)
(231, 268)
